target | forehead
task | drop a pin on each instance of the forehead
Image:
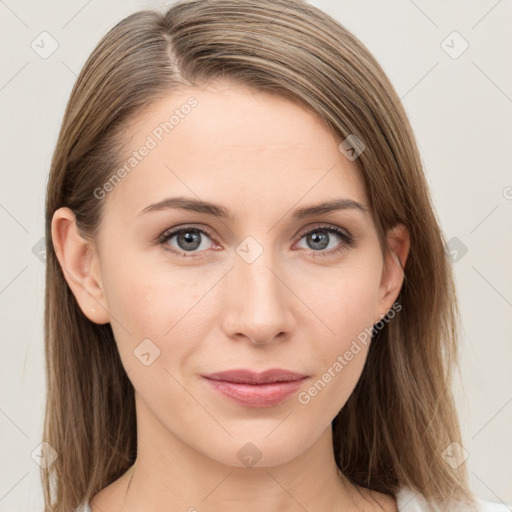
(233, 145)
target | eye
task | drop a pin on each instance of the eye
(188, 240)
(321, 237)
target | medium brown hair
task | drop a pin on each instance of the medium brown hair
(401, 415)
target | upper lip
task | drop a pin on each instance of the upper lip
(241, 376)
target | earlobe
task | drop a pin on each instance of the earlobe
(78, 260)
(392, 273)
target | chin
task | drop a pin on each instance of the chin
(260, 449)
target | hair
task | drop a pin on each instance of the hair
(401, 415)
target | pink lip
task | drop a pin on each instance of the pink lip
(253, 389)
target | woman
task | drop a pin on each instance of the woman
(249, 305)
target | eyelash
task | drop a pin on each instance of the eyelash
(344, 235)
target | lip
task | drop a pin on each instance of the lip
(252, 389)
(243, 376)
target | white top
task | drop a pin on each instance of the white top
(407, 501)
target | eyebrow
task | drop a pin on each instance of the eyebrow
(216, 210)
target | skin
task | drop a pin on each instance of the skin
(262, 157)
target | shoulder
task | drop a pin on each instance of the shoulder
(84, 508)
(489, 506)
(408, 500)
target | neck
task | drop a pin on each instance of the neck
(171, 475)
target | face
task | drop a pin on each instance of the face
(268, 284)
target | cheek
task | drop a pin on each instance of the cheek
(144, 293)
(156, 313)
(343, 336)
(345, 300)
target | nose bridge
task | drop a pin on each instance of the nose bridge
(258, 282)
(259, 302)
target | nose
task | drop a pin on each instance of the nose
(258, 305)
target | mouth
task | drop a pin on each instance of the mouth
(252, 389)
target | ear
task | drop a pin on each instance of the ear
(392, 273)
(78, 259)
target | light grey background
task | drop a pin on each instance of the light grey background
(460, 109)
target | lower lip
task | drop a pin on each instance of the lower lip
(261, 395)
